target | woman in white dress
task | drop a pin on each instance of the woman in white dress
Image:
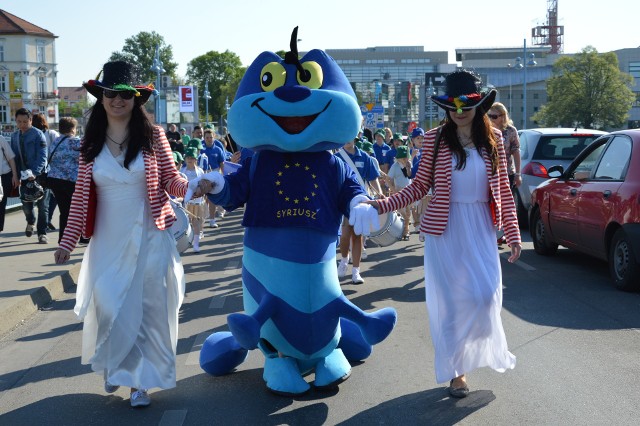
(467, 170)
(131, 284)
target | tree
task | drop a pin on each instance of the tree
(223, 72)
(76, 110)
(140, 49)
(587, 90)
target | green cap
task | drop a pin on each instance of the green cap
(402, 151)
(380, 132)
(367, 147)
(177, 157)
(397, 136)
(191, 152)
(195, 143)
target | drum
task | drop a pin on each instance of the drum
(181, 228)
(390, 231)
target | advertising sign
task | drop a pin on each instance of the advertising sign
(186, 98)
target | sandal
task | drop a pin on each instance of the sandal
(406, 237)
(458, 392)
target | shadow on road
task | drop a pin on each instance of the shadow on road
(429, 407)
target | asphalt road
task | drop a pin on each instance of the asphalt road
(575, 337)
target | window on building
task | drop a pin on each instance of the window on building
(42, 86)
(40, 57)
(3, 114)
(1, 51)
(3, 82)
(634, 69)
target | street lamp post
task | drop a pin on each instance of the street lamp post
(158, 68)
(429, 103)
(530, 63)
(510, 81)
(207, 96)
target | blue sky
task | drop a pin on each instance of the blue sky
(89, 31)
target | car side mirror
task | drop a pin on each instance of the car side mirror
(555, 171)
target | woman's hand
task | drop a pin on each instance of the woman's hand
(374, 204)
(516, 248)
(235, 157)
(517, 181)
(61, 256)
(204, 186)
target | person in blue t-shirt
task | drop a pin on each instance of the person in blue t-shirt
(417, 138)
(367, 175)
(380, 148)
(216, 157)
(396, 141)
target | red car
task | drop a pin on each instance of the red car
(594, 206)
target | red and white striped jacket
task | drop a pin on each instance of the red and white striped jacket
(435, 218)
(162, 178)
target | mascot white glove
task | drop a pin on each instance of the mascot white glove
(215, 178)
(363, 217)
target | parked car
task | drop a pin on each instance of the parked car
(594, 206)
(541, 149)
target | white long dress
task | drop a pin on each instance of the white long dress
(131, 284)
(463, 281)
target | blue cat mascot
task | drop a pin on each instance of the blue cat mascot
(291, 113)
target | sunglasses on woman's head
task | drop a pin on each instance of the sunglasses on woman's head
(494, 116)
(124, 94)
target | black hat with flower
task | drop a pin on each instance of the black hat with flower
(463, 92)
(118, 76)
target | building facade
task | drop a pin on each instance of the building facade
(389, 82)
(28, 70)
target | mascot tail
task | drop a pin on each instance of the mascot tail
(221, 354)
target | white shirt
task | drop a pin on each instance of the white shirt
(8, 152)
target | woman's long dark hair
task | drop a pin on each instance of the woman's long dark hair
(480, 133)
(140, 133)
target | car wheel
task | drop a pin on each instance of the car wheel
(539, 236)
(623, 266)
(520, 210)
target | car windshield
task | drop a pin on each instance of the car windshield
(562, 147)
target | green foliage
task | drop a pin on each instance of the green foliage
(223, 72)
(75, 110)
(140, 50)
(587, 90)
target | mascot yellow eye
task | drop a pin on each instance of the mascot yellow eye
(272, 76)
(313, 78)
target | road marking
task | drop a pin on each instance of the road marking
(217, 302)
(173, 418)
(519, 263)
(194, 353)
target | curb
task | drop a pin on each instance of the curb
(28, 304)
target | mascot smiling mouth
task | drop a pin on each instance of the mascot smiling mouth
(291, 125)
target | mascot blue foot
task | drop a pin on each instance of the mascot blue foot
(283, 377)
(332, 370)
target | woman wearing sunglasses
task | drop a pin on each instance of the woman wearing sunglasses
(463, 161)
(131, 283)
(499, 117)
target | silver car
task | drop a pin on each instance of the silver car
(541, 149)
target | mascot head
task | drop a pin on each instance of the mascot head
(294, 105)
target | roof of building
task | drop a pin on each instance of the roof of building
(11, 24)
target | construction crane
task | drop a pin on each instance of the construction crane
(550, 34)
